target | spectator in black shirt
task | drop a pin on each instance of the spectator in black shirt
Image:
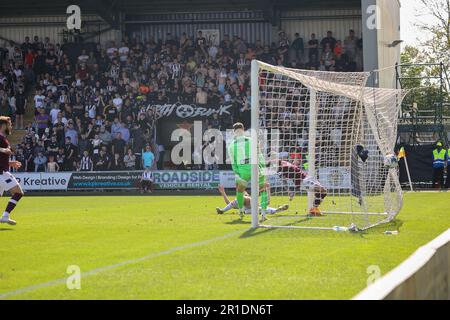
(328, 40)
(61, 159)
(21, 102)
(53, 146)
(102, 161)
(119, 145)
(110, 112)
(298, 47)
(313, 49)
(71, 155)
(201, 44)
(117, 163)
(20, 156)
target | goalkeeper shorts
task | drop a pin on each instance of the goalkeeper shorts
(243, 178)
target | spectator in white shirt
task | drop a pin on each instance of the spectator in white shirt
(54, 113)
(123, 52)
(83, 57)
(117, 101)
(112, 51)
(39, 100)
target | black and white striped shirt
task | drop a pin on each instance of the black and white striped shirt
(147, 176)
(86, 164)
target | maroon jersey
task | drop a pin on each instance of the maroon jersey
(4, 158)
(291, 171)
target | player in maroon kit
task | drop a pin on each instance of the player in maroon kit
(299, 177)
(7, 180)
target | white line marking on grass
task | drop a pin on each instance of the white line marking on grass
(119, 264)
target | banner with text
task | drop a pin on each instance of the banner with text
(167, 180)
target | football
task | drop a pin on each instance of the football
(390, 161)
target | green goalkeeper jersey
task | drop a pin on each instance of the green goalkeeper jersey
(240, 155)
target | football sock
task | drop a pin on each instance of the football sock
(318, 198)
(12, 203)
(229, 206)
(264, 200)
(240, 199)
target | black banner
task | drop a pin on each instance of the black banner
(182, 116)
(420, 162)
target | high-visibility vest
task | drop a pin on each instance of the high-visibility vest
(439, 158)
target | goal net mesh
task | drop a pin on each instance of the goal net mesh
(315, 120)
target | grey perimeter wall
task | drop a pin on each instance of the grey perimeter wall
(378, 38)
(425, 275)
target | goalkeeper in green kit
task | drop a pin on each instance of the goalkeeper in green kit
(239, 151)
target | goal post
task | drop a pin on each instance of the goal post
(335, 132)
(254, 146)
(312, 141)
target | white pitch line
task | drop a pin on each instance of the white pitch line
(117, 265)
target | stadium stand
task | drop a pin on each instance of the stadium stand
(90, 97)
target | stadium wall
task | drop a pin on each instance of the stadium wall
(250, 25)
(305, 22)
(379, 53)
(17, 28)
(423, 276)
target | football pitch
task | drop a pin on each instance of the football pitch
(177, 247)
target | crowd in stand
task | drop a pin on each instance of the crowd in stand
(96, 111)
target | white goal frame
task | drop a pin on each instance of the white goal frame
(364, 98)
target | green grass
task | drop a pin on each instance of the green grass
(170, 232)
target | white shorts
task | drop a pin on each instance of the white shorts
(7, 182)
(309, 183)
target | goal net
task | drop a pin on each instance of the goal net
(328, 143)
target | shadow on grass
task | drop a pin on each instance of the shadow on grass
(6, 229)
(260, 231)
(391, 226)
(394, 225)
(238, 221)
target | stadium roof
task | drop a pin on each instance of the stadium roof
(109, 9)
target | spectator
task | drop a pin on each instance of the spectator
(298, 47)
(329, 41)
(19, 156)
(40, 162)
(147, 181)
(102, 161)
(117, 163)
(440, 158)
(351, 45)
(71, 133)
(41, 122)
(313, 49)
(52, 165)
(124, 131)
(119, 145)
(86, 163)
(130, 160)
(283, 46)
(148, 157)
(70, 155)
